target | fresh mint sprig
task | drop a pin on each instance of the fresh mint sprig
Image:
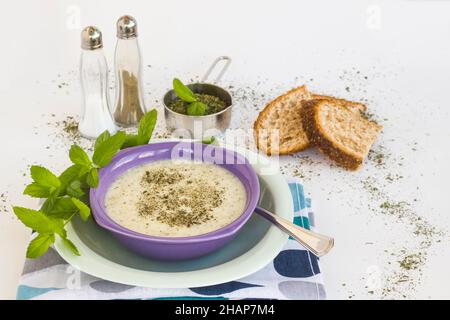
(195, 107)
(66, 195)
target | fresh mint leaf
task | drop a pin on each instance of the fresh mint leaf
(92, 178)
(63, 208)
(69, 244)
(49, 203)
(62, 233)
(44, 177)
(38, 220)
(210, 140)
(130, 141)
(183, 92)
(146, 126)
(78, 156)
(83, 172)
(36, 190)
(196, 109)
(39, 245)
(75, 189)
(102, 138)
(69, 175)
(108, 148)
(85, 211)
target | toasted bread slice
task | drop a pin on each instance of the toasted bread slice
(339, 130)
(278, 128)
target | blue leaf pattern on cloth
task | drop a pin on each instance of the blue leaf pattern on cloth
(223, 288)
(302, 222)
(298, 196)
(296, 263)
(26, 292)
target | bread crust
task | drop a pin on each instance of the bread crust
(257, 126)
(358, 105)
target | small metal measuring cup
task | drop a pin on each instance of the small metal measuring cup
(197, 126)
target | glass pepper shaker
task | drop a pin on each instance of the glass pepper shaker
(129, 107)
(96, 115)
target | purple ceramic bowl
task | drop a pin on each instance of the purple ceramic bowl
(175, 248)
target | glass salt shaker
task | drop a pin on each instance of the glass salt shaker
(129, 107)
(96, 116)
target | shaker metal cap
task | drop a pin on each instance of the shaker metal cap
(126, 27)
(91, 38)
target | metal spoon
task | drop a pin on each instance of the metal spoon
(316, 243)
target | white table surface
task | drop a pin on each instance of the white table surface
(402, 47)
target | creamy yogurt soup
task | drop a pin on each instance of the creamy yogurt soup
(175, 199)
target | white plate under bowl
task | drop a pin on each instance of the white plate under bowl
(256, 245)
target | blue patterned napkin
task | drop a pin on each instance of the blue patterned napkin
(294, 274)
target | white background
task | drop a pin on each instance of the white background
(403, 47)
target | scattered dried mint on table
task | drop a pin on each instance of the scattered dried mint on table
(411, 262)
(68, 129)
(3, 203)
(70, 126)
(377, 157)
(404, 277)
(213, 103)
(402, 281)
(396, 208)
(391, 177)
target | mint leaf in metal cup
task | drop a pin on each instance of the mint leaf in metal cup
(183, 92)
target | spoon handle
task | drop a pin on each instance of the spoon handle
(316, 243)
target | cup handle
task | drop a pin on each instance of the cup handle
(213, 66)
